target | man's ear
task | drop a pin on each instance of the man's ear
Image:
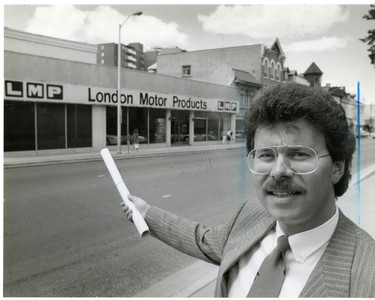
(337, 171)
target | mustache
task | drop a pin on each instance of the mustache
(283, 184)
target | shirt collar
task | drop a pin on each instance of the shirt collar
(305, 243)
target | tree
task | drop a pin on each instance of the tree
(370, 39)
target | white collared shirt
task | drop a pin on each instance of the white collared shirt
(306, 249)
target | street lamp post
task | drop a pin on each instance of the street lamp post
(119, 115)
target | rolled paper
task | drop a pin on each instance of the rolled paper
(138, 220)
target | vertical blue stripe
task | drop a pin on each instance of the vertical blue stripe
(358, 195)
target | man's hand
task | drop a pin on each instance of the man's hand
(141, 205)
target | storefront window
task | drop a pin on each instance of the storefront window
(51, 126)
(150, 123)
(79, 126)
(19, 126)
(179, 127)
(157, 125)
(206, 126)
(111, 118)
(200, 126)
(213, 127)
(138, 120)
(50, 133)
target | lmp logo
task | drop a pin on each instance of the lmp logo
(32, 90)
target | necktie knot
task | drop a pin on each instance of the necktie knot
(282, 244)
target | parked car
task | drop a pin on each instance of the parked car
(372, 134)
(240, 134)
(112, 139)
(197, 137)
(363, 133)
(204, 137)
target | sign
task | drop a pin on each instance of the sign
(32, 90)
(78, 94)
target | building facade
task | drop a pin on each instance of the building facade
(355, 110)
(249, 68)
(132, 55)
(313, 75)
(61, 105)
(23, 42)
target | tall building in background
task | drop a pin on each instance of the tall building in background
(131, 55)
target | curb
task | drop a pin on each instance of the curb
(185, 283)
(362, 175)
(31, 161)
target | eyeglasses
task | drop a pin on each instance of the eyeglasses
(301, 160)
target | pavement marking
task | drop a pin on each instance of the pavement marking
(166, 196)
(101, 175)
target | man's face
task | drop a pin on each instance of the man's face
(298, 202)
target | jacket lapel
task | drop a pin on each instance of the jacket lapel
(247, 231)
(331, 276)
(241, 243)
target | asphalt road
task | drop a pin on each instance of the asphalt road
(65, 234)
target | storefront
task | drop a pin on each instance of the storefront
(45, 115)
(58, 99)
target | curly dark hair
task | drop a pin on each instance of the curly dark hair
(288, 102)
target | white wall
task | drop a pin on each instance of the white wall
(23, 42)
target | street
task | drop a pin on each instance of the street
(65, 234)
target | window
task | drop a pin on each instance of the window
(19, 126)
(79, 125)
(272, 70)
(102, 53)
(247, 101)
(265, 68)
(242, 98)
(278, 72)
(186, 70)
(50, 126)
(102, 61)
(38, 126)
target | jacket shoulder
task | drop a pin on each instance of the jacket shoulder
(362, 283)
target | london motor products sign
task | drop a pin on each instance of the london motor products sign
(38, 91)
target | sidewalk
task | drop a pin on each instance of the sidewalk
(86, 155)
(198, 280)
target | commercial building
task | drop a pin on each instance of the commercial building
(250, 69)
(132, 55)
(58, 104)
(62, 95)
(355, 110)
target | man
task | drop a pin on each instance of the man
(300, 152)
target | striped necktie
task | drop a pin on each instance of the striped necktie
(271, 274)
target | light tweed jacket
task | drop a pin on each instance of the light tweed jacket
(346, 269)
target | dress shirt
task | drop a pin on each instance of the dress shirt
(306, 249)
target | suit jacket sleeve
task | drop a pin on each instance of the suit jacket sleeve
(189, 237)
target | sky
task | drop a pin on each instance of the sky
(327, 34)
